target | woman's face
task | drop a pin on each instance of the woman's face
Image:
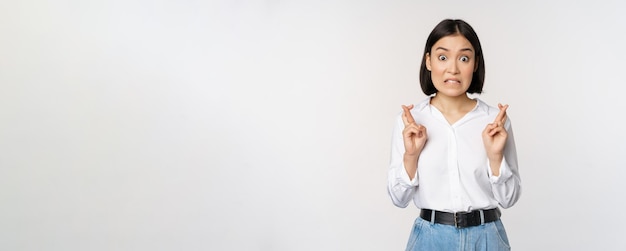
(451, 64)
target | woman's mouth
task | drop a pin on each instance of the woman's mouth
(452, 81)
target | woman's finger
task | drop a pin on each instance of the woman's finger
(502, 114)
(489, 128)
(411, 128)
(407, 118)
(498, 128)
(422, 131)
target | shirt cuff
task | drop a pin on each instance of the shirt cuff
(505, 173)
(404, 178)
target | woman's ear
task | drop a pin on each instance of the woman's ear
(427, 56)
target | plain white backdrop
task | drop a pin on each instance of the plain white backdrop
(265, 125)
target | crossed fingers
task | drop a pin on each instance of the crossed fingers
(501, 118)
(409, 122)
(407, 118)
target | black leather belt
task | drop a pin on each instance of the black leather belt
(462, 219)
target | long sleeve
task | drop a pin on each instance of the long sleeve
(507, 187)
(400, 188)
(453, 173)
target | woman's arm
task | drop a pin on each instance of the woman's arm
(506, 186)
(408, 140)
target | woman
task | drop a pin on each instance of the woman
(452, 155)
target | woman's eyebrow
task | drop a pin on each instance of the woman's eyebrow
(445, 49)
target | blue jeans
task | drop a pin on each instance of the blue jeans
(432, 236)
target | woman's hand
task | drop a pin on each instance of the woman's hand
(494, 138)
(414, 135)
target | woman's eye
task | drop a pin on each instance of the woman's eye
(464, 59)
(442, 57)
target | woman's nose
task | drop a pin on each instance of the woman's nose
(453, 67)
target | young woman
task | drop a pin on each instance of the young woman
(452, 155)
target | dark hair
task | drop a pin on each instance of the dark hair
(450, 27)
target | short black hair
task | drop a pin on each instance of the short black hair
(451, 27)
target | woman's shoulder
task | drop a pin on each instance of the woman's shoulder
(486, 106)
(490, 110)
(422, 104)
(418, 108)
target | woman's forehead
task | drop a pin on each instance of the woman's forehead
(455, 42)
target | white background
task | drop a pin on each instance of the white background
(265, 125)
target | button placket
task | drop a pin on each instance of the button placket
(453, 168)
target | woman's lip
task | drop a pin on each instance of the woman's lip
(451, 80)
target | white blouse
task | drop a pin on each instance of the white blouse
(453, 173)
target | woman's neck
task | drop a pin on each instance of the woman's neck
(459, 104)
